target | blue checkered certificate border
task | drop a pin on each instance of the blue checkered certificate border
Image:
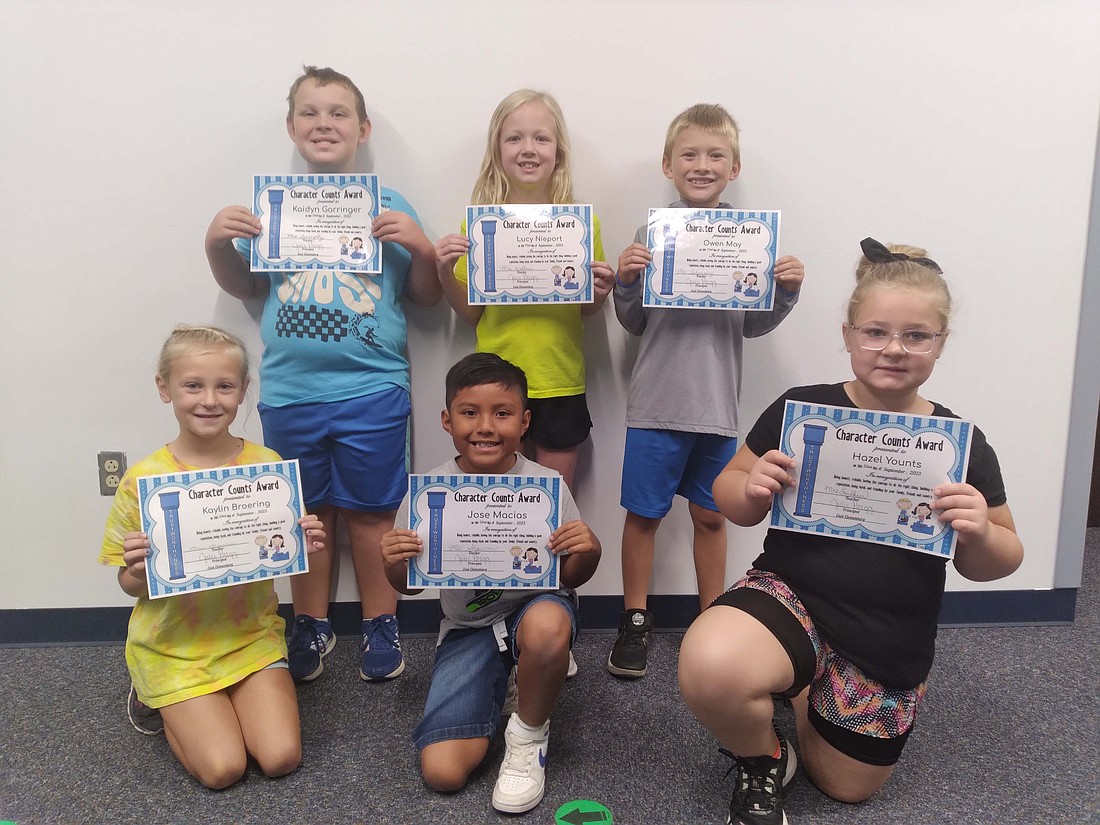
(868, 475)
(221, 527)
(316, 222)
(711, 259)
(486, 532)
(529, 254)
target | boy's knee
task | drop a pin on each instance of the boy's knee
(443, 774)
(704, 519)
(545, 631)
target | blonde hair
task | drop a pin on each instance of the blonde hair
(492, 184)
(710, 117)
(323, 77)
(188, 340)
(909, 268)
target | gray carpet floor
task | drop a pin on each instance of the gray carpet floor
(1009, 733)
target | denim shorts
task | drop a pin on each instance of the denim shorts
(661, 464)
(470, 679)
(352, 454)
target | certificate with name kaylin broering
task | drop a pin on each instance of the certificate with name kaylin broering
(316, 222)
(869, 475)
(221, 527)
(711, 259)
(525, 254)
(484, 531)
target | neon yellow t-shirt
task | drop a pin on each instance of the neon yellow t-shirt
(544, 340)
(193, 644)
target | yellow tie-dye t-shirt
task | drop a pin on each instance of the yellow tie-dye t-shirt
(193, 644)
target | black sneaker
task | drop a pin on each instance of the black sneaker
(628, 654)
(145, 719)
(758, 795)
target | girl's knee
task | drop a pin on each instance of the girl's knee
(280, 761)
(218, 774)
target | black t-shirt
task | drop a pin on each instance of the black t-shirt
(875, 604)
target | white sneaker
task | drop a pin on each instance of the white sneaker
(511, 699)
(522, 778)
(572, 671)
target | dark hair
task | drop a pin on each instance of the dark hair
(485, 368)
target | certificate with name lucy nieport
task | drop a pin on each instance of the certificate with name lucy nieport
(869, 475)
(316, 222)
(711, 259)
(484, 531)
(529, 253)
(221, 527)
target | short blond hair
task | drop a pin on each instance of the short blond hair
(323, 77)
(492, 184)
(710, 117)
(188, 340)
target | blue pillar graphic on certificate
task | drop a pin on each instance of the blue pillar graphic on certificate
(813, 436)
(274, 227)
(436, 501)
(488, 232)
(170, 505)
(668, 260)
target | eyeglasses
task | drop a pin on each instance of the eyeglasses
(913, 341)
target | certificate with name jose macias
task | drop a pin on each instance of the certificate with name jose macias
(711, 259)
(316, 222)
(221, 527)
(486, 532)
(868, 475)
(525, 254)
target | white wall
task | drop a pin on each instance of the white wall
(968, 128)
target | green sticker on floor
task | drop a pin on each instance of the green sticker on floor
(582, 812)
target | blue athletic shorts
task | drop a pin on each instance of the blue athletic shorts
(353, 454)
(470, 679)
(661, 464)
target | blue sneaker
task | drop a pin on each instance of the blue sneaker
(311, 641)
(381, 649)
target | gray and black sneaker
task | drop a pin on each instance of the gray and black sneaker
(145, 719)
(758, 794)
(628, 654)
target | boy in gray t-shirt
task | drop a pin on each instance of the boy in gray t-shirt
(485, 632)
(682, 405)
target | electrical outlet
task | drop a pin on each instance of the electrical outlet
(112, 464)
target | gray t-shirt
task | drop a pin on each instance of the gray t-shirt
(687, 376)
(463, 607)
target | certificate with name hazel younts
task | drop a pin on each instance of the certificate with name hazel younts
(868, 476)
(316, 222)
(485, 532)
(529, 253)
(711, 259)
(221, 527)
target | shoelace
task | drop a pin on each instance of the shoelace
(757, 780)
(381, 636)
(318, 643)
(518, 758)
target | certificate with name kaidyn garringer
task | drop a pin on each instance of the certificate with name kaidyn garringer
(711, 259)
(221, 527)
(486, 532)
(527, 254)
(316, 222)
(869, 475)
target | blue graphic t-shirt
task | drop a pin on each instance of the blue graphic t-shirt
(330, 336)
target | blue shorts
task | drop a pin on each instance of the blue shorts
(352, 454)
(470, 679)
(661, 464)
